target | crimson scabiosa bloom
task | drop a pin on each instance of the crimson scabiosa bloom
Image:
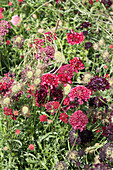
(74, 37)
(49, 36)
(43, 118)
(78, 120)
(50, 80)
(65, 73)
(98, 83)
(31, 147)
(76, 64)
(63, 117)
(17, 131)
(8, 111)
(81, 92)
(52, 106)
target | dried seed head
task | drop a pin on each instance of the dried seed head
(101, 42)
(37, 81)
(59, 57)
(67, 89)
(29, 74)
(6, 101)
(95, 46)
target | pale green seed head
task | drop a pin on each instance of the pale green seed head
(67, 89)
(59, 57)
(6, 101)
(25, 110)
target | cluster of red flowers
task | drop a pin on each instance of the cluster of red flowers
(78, 120)
(52, 106)
(76, 64)
(9, 112)
(50, 80)
(65, 73)
(75, 38)
(81, 92)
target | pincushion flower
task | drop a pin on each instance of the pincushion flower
(63, 117)
(43, 118)
(75, 38)
(81, 92)
(50, 80)
(52, 106)
(31, 147)
(76, 64)
(15, 20)
(8, 111)
(98, 83)
(65, 73)
(17, 131)
(78, 120)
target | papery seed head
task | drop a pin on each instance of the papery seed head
(6, 101)
(37, 72)
(59, 57)
(37, 81)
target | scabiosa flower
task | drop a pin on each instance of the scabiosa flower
(49, 36)
(74, 37)
(65, 73)
(61, 166)
(98, 83)
(108, 132)
(85, 33)
(15, 20)
(1, 10)
(97, 102)
(52, 107)
(18, 41)
(78, 120)
(81, 92)
(43, 118)
(56, 94)
(76, 64)
(101, 166)
(86, 136)
(72, 155)
(85, 25)
(31, 147)
(107, 151)
(4, 27)
(50, 80)
(73, 136)
(86, 167)
(46, 53)
(17, 131)
(6, 101)
(107, 3)
(7, 42)
(88, 45)
(38, 42)
(63, 117)
(8, 111)
(40, 96)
